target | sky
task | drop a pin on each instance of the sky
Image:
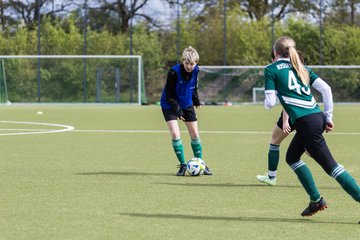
(158, 9)
(163, 11)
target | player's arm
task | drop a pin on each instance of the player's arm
(270, 99)
(195, 97)
(326, 93)
(270, 93)
(286, 126)
(170, 92)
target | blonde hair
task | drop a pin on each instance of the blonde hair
(285, 47)
(190, 54)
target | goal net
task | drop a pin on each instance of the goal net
(3, 86)
(258, 94)
(218, 84)
(245, 84)
(74, 78)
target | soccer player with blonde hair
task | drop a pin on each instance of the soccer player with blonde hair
(178, 102)
(290, 81)
(280, 131)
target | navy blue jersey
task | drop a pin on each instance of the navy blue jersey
(184, 89)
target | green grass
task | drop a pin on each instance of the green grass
(86, 184)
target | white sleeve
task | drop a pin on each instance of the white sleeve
(325, 90)
(270, 99)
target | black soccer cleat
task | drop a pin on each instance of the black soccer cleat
(314, 207)
(182, 170)
(207, 171)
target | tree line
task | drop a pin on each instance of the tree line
(250, 28)
(117, 14)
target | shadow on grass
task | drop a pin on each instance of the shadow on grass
(126, 173)
(241, 219)
(235, 185)
(192, 184)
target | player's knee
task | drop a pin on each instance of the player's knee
(175, 135)
(291, 160)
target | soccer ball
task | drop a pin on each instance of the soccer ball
(201, 162)
(193, 167)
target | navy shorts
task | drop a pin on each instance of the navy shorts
(189, 114)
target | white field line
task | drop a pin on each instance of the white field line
(205, 132)
(23, 129)
(166, 131)
(64, 128)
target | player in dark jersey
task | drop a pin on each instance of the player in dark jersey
(178, 100)
(280, 131)
(290, 81)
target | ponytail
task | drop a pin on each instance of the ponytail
(299, 66)
(285, 47)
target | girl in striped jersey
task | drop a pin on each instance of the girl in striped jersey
(281, 130)
(290, 80)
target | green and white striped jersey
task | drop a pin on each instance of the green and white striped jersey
(295, 97)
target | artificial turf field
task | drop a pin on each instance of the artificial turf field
(113, 176)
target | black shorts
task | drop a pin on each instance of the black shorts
(280, 122)
(309, 130)
(309, 136)
(189, 114)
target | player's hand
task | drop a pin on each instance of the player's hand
(180, 115)
(286, 127)
(329, 126)
(181, 118)
(197, 106)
